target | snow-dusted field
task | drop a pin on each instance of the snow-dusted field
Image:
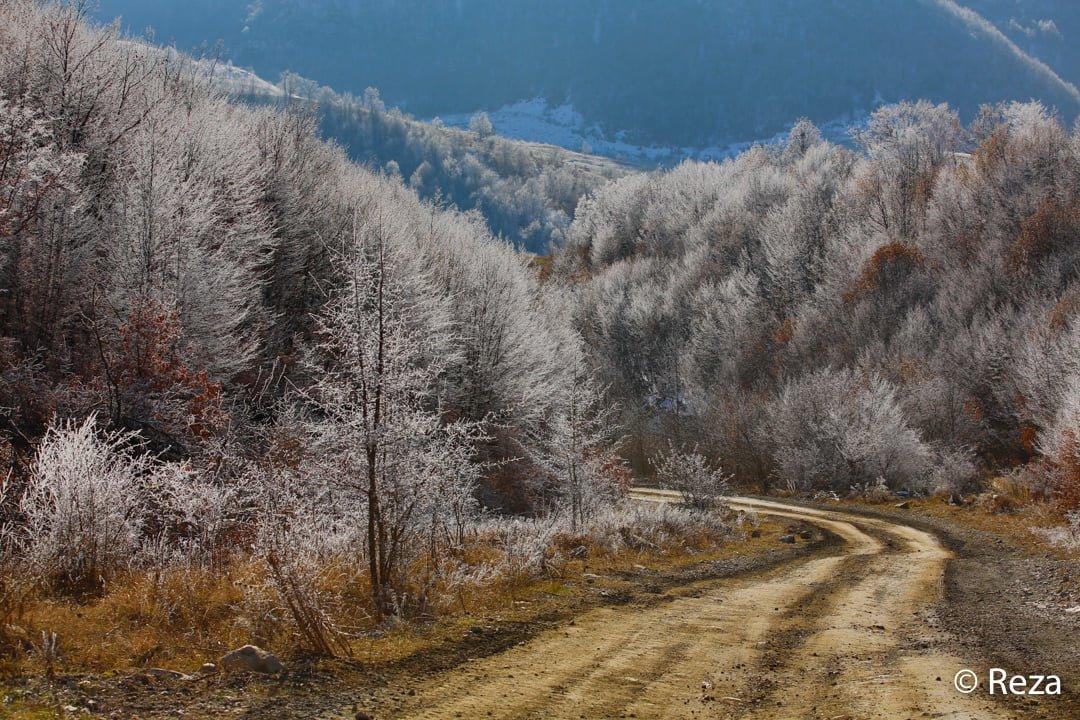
(534, 120)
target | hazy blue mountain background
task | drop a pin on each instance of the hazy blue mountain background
(674, 72)
(1047, 29)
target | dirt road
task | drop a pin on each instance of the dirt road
(847, 636)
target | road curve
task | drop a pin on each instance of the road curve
(844, 637)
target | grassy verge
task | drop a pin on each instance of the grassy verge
(146, 620)
(1024, 525)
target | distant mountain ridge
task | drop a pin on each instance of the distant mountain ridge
(679, 72)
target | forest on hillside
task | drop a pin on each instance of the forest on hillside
(526, 192)
(232, 359)
(903, 315)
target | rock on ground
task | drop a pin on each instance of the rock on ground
(251, 659)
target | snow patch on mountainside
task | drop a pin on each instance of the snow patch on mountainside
(534, 120)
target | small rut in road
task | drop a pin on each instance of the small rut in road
(840, 637)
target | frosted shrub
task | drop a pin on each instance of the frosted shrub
(1066, 536)
(384, 341)
(1074, 528)
(838, 429)
(8, 534)
(205, 516)
(689, 473)
(13, 588)
(1061, 443)
(652, 526)
(83, 504)
(954, 472)
(875, 491)
(576, 451)
(523, 543)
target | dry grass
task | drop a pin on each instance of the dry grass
(182, 617)
(1011, 512)
(179, 617)
(528, 600)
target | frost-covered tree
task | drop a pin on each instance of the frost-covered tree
(578, 449)
(906, 144)
(382, 341)
(688, 471)
(837, 430)
(480, 124)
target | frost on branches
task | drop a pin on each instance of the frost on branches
(382, 343)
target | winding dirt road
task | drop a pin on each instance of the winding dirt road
(840, 637)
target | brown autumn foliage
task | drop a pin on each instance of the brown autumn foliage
(1029, 435)
(1067, 474)
(992, 153)
(1054, 222)
(152, 382)
(890, 261)
(785, 332)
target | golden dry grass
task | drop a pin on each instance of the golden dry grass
(181, 618)
(1020, 517)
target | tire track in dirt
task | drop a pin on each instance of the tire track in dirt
(841, 636)
(873, 654)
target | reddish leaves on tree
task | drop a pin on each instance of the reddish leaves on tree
(1067, 473)
(150, 361)
(1041, 233)
(785, 332)
(1028, 436)
(615, 469)
(974, 410)
(889, 262)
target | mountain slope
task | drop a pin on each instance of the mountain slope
(1046, 29)
(681, 72)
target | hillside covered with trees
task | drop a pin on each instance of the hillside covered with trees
(526, 192)
(223, 343)
(903, 314)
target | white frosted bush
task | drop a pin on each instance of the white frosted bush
(954, 470)
(83, 506)
(689, 472)
(840, 429)
(202, 513)
(1066, 536)
(633, 523)
(524, 542)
